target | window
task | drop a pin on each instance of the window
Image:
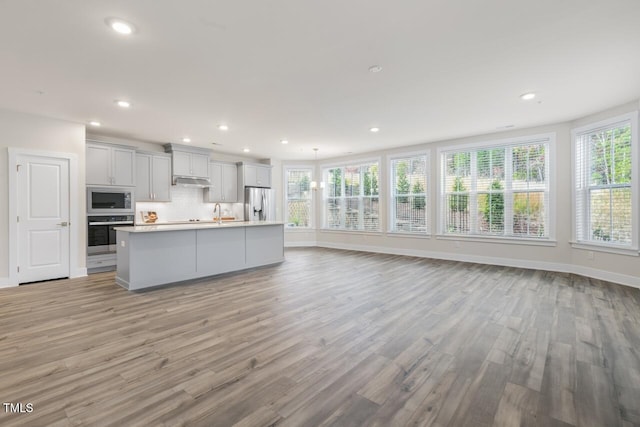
(297, 197)
(605, 200)
(500, 190)
(409, 194)
(351, 197)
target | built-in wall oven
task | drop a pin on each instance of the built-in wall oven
(101, 235)
(107, 208)
(110, 201)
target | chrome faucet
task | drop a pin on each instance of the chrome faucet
(217, 205)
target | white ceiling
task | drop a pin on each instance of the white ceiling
(298, 69)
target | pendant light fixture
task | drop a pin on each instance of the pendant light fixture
(314, 184)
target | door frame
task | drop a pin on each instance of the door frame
(74, 224)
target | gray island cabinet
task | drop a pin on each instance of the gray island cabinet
(153, 255)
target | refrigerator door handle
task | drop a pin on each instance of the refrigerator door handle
(259, 211)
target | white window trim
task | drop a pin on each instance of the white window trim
(341, 231)
(408, 234)
(429, 177)
(351, 162)
(506, 240)
(576, 242)
(612, 249)
(285, 210)
(550, 163)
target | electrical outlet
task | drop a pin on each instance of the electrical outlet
(590, 255)
(123, 243)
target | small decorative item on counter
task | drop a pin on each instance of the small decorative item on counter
(149, 217)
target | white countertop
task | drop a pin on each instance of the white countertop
(186, 221)
(198, 225)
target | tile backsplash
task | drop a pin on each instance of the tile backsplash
(187, 203)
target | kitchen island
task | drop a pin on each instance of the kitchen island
(153, 255)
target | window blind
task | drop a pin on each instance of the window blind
(500, 191)
(409, 194)
(604, 185)
(351, 199)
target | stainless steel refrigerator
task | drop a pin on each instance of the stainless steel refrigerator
(259, 204)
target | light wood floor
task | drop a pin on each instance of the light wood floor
(328, 338)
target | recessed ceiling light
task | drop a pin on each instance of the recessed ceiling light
(120, 26)
(186, 139)
(284, 142)
(223, 127)
(374, 129)
(246, 150)
(95, 123)
(375, 69)
(527, 96)
(123, 104)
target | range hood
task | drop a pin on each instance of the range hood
(190, 181)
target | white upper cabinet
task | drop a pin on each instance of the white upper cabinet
(224, 183)
(181, 163)
(190, 164)
(189, 161)
(161, 178)
(199, 165)
(153, 179)
(108, 164)
(230, 183)
(214, 192)
(257, 175)
(263, 176)
(98, 162)
(250, 175)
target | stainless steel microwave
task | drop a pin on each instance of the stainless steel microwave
(110, 200)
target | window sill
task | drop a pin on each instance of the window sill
(605, 248)
(339, 230)
(499, 240)
(299, 229)
(405, 234)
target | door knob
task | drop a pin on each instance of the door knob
(63, 224)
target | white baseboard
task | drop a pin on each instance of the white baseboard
(608, 276)
(79, 272)
(302, 244)
(623, 279)
(4, 283)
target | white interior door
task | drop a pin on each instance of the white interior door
(43, 218)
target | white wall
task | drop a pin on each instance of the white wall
(559, 257)
(26, 131)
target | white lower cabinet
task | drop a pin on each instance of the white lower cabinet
(265, 245)
(220, 251)
(160, 255)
